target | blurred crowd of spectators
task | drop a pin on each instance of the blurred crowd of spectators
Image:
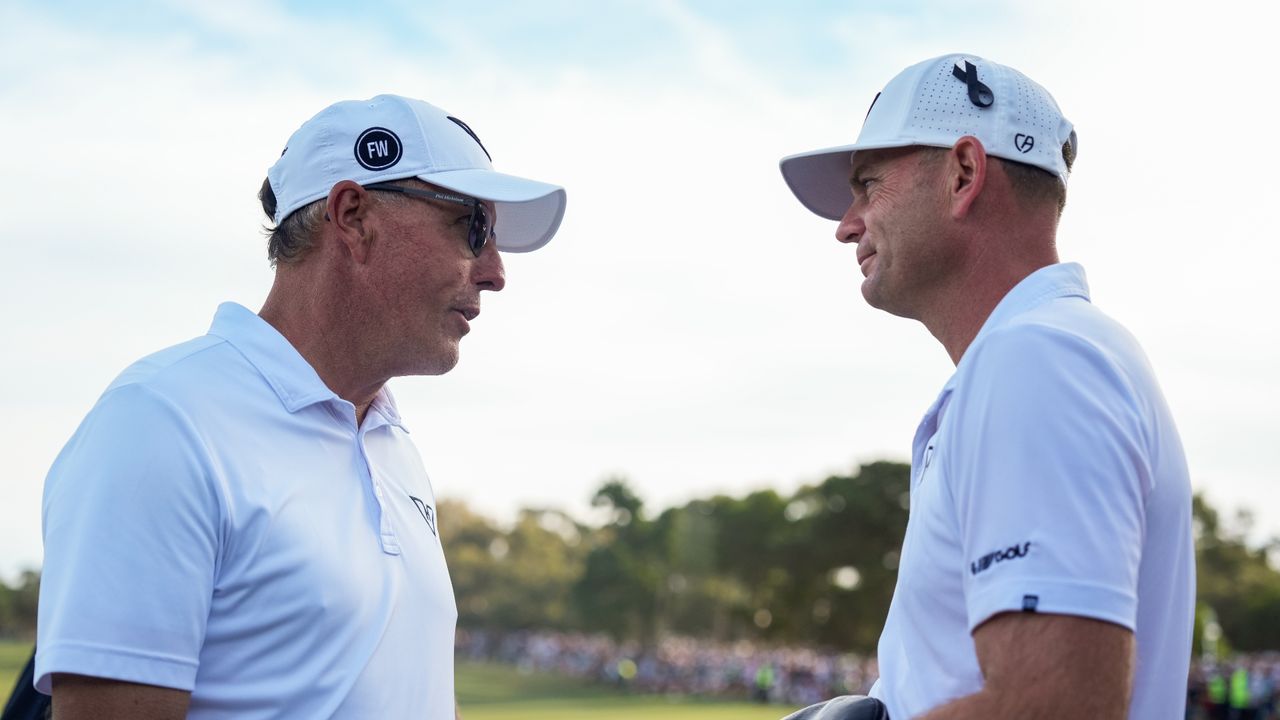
(1246, 688)
(682, 666)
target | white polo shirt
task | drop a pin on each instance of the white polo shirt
(1047, 477)
(220, 524)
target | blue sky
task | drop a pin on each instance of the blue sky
(691, 326)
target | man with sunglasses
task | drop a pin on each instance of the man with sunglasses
(1047, 569)
(241, 527)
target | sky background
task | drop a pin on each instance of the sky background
(691, 327)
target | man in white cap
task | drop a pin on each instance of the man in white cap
(241, 527)
(1047, 569)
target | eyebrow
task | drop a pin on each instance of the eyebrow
(855, 178)
(861, 171)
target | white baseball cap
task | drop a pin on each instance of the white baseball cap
(390, 137)
(935, 103)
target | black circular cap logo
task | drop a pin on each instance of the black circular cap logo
(377, 149)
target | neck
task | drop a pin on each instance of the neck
(959, 312)
(324, 331)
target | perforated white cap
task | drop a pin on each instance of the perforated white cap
(390, 137)
(935, 103)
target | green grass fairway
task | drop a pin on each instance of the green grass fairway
(499, 692)
(13, 657)
(623, 709)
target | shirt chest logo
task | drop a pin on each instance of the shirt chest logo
(426, 512)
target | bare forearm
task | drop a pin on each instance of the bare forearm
(1021, 705)
(1036, 700)
(1048, 667)
(91, 698)
(979, 705)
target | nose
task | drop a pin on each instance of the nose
(487, 272)
(851, 226)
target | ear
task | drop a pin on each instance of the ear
(347, 218)
(967, 175)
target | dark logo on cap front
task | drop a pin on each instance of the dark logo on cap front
(1024, 143)
(377, 149)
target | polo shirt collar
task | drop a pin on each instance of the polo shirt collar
(384, 403)
(1048, 283)
(292, 378)
(287, 372)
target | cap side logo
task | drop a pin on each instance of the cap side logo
(1024, 142)
(377, 149)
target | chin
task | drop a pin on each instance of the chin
(434, 360)
(870, 295)
(439, 365)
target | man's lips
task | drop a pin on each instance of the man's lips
(467, 313)
(864, 259)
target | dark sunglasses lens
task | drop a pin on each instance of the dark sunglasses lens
(479, 233)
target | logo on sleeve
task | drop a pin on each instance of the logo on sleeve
(377, 149)
(1013, 552)
(425, 510)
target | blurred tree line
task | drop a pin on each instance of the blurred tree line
(815, 567)
(18, 607)
(1236, 586)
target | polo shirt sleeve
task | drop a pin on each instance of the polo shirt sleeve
(1049, 479)
(131, 538)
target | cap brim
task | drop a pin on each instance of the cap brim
(529, 212)
(820, 178)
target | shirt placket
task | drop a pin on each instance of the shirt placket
(386, 525)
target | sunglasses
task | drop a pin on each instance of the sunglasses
(479, 229)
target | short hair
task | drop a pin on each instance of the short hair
(293, 237)
(1032, 185)
(290, 239)
(1036, 186)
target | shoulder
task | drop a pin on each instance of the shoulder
(1067, 351)
(1062, 393)
(204, 379)
(144, 428)
(174, 366)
